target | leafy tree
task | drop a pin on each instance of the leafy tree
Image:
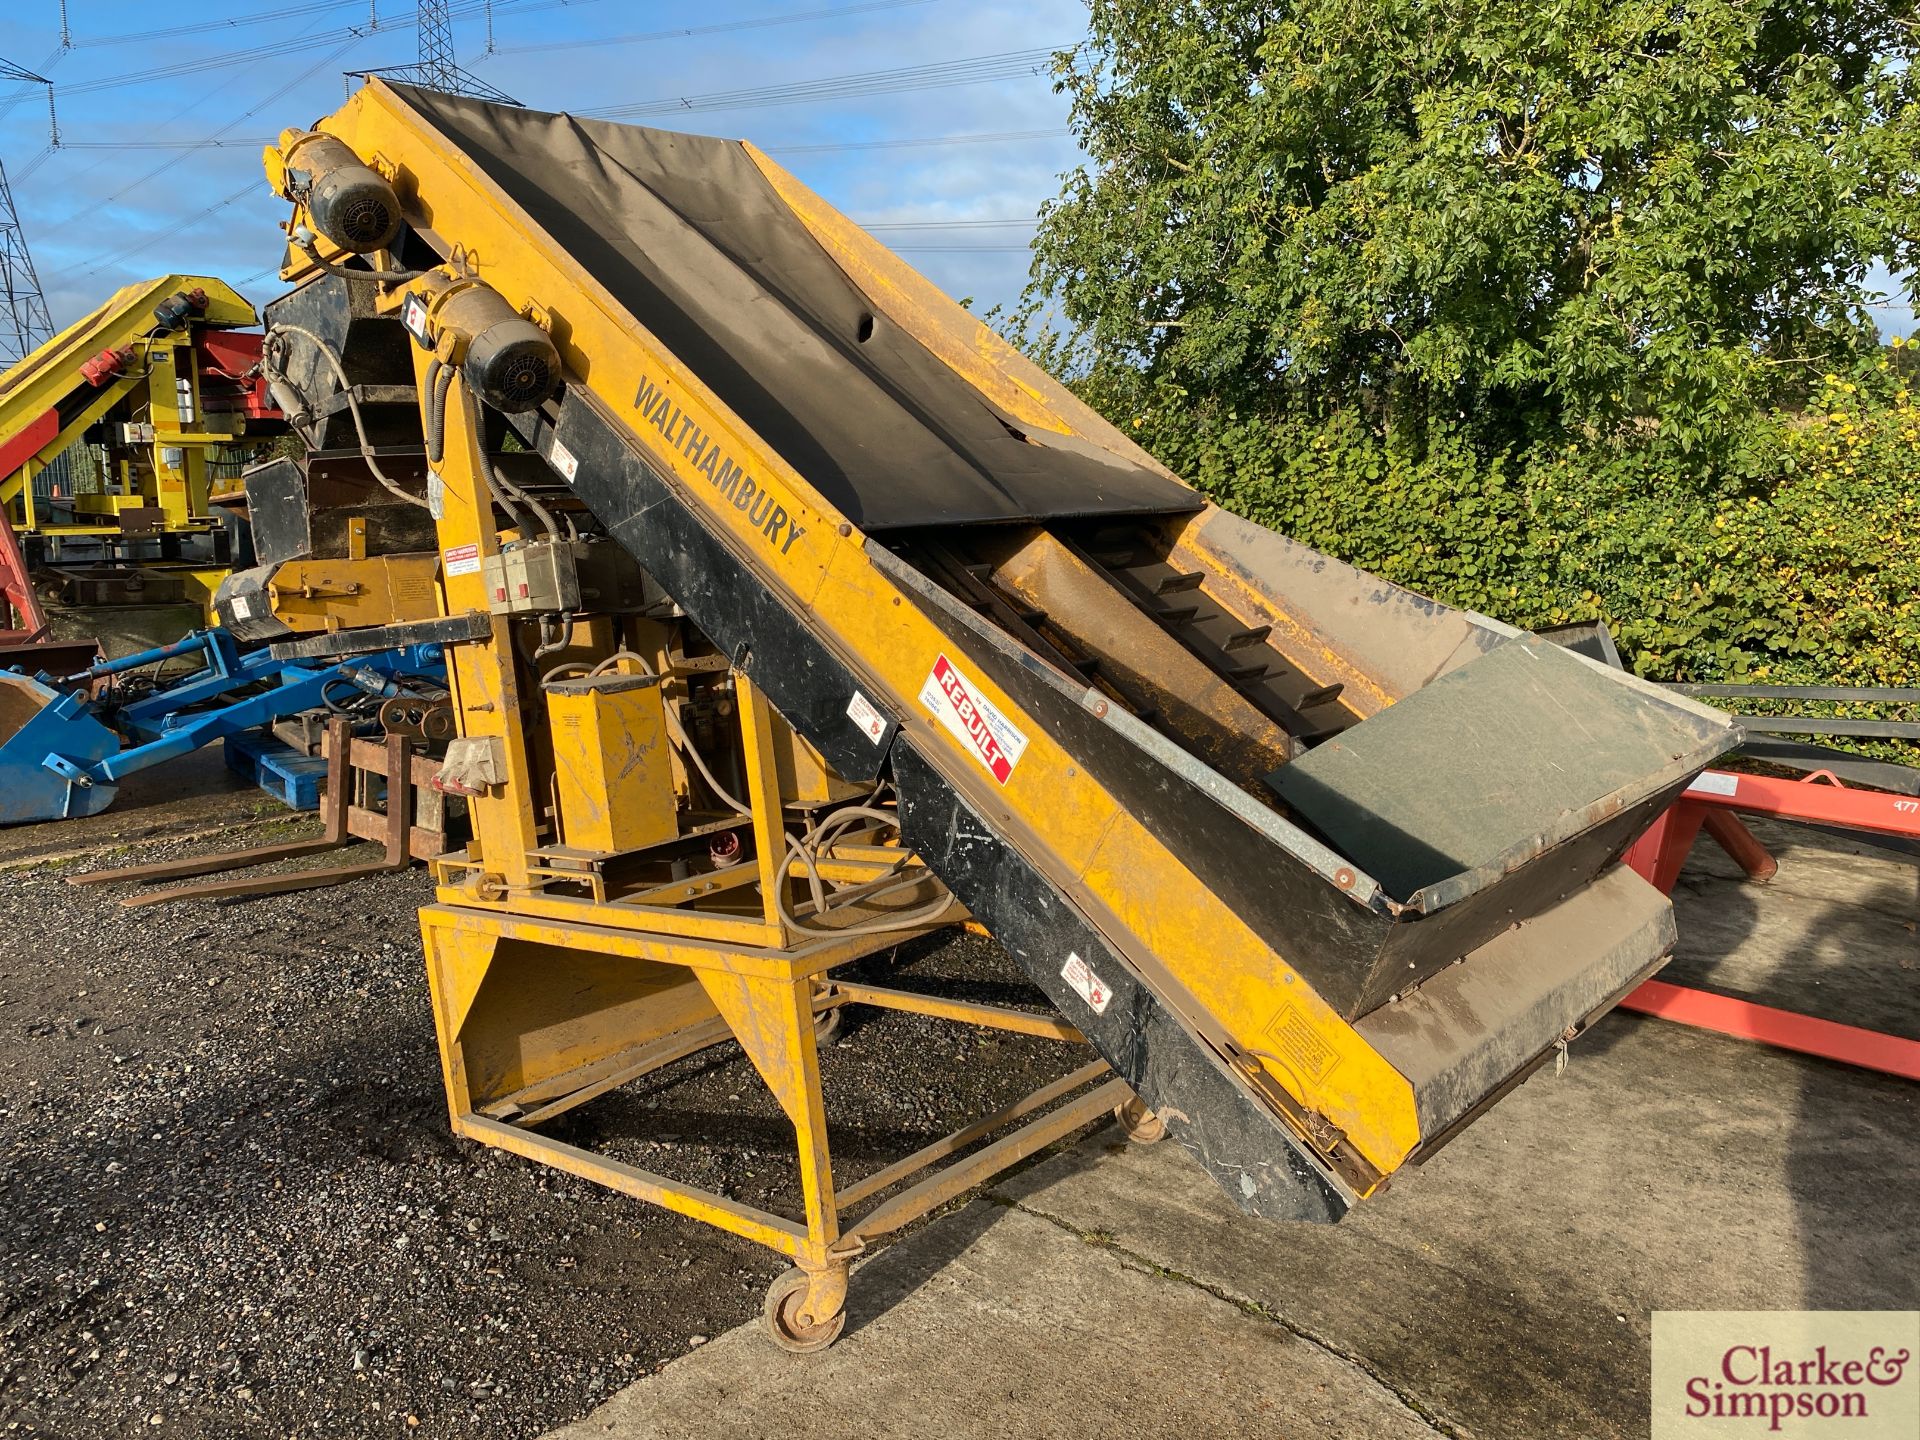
(1616, 220)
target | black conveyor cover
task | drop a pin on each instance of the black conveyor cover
(691, 238)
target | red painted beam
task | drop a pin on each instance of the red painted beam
(1825, 802)
(1658, 855)
(28, 442)
(1782, 1029)
(16, 591)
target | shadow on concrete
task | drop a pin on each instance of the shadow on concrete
(1835, 936)
(897, 1272)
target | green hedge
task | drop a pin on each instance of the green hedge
(1794, 557)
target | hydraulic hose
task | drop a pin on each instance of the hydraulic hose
(385, 277)
(353, 403)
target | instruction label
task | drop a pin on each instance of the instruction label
(1087, 985)
(971, 718)
(1302, 1048)
(461, 559)
(871, 722)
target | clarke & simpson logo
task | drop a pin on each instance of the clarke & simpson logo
(1797, 1375)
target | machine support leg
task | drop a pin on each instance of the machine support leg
(773, 1021)
(1730, 832)
(763, 794)
(1658, 855)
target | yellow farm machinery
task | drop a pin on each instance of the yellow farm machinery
(114, 439)
(790, 613)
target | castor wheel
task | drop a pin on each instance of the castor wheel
(790, 1330)
(826, 1025)
(1143, 1127)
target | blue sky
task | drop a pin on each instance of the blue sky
(99, 212)
(97, 218)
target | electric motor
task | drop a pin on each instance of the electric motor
(348, 202)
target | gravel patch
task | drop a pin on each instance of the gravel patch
(233, 1206)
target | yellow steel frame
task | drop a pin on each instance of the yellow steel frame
(1231, 987)
(769, 1001)
(621, 966)
(51, 374)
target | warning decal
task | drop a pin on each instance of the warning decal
(871, 722)
(1087, 985)
(972, 719)
(462, 559)
(563, 460)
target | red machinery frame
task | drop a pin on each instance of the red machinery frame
(16, 587)
(1709, 803)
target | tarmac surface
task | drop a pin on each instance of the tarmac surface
(1505, 1291)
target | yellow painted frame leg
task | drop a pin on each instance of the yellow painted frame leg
(773, 1021)
(457, 963)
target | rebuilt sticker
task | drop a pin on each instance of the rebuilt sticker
(971, 718)
(1087, 985)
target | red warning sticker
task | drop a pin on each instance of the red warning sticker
(972, 719)
(1089, 986)
(462, 559)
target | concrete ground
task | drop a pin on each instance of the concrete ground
(1505, 1290)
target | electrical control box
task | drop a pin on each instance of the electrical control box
(535, 579)
(554, 577)
(613, 776)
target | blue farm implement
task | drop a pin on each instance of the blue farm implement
(59, 758)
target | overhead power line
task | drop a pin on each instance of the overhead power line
(1003, 137)
(202, 27)
(252, 187)
(942, 224)
(322, 63)
(398, 20)
(253, 55)
(720, 27)
(976, 70)
(30, 90)
(44, 154)
(242, 142)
